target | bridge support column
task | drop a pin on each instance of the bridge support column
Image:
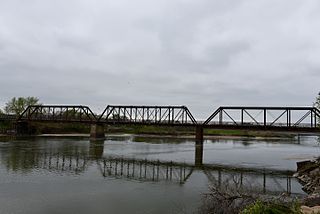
(199, 135)
(97, 131)
(199, 146)
(23, 129)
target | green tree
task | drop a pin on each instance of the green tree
(18, 105)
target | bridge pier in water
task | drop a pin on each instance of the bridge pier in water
(97, 131)
(24, 128)
(199, 146)
(199, 134)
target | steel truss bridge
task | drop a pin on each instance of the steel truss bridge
(257, 118)
(145, 115)
(265, 118)
(155, 115)
(58, 113)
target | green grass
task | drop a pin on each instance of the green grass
(226, 132)
(60, 128)
(65, 128)
(137, 129)
(245, 133)
(158, 130)
(5, 125)
(260, 207)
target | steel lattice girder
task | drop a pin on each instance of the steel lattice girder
(180, 116)
(58, 113)
(166, 115)
(264, 121)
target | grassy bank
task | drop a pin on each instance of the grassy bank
(6, 126)
(70, 128)
(154, 130)
(162, 130)
(191, 131)
(259, 207)
(60, 128)
(246, 133)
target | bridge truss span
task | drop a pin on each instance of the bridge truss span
(8, 117)
(293, 119)
(148, 115)
(58, 113)
(289, 118)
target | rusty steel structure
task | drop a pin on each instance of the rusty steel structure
(8, 117)
(58, 113)
(270, 118)
(295, 119)
(148, 115)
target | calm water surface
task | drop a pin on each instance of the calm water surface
(127, 174)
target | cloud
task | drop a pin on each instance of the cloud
(201, 54)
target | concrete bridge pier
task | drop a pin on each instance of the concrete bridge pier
(199, 146)
(97, 131)
(24, 128)
(199, 134)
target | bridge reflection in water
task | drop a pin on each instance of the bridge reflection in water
(77, 162)
(144, 170)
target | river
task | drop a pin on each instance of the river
(135, 174)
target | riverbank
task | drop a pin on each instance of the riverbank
(236, 201)
(189, 131)
(308, 173)
(56, 129)
(155, 136)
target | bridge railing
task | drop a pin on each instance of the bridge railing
(55, 113)
(8, 117)
(225, 116)
(156, 115)
(289, 117)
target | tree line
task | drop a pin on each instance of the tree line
(18, 104)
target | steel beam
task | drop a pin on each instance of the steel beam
(217, 120)
(145, 115)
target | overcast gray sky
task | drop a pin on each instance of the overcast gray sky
(199, 53)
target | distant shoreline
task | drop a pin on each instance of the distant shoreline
(177, 136)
